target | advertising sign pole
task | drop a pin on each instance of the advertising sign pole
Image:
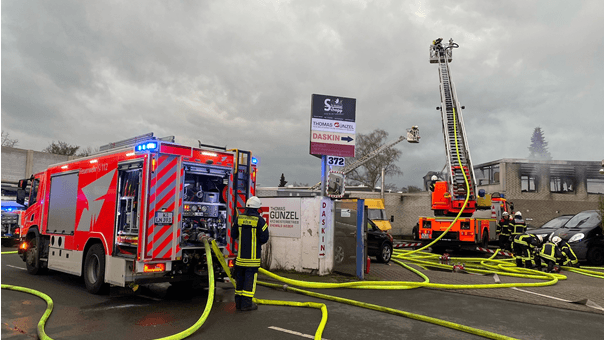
(360, 249)
(324, 170)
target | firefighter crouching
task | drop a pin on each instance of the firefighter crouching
(251, 232)
(524, 250)
(551, 254)
(503, 228)
(569, 258)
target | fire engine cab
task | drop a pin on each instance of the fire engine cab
(135, 213)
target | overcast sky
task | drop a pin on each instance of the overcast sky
(241, 74)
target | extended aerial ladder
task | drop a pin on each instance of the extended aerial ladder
(455, 190)
(412, 137)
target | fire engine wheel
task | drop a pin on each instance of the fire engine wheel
(32, 257)
(385, 253)
(94, 270)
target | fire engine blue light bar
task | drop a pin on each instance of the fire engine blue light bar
(146, 146)
(254, 160)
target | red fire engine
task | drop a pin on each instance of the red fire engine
(476, 225)
(135, 213)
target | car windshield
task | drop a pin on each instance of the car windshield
(555, 223)
(376, 214)
(583, 220)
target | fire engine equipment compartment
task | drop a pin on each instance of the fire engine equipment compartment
(204, 209)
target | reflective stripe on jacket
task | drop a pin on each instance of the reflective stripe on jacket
(568, 252)
(518, 227)
(251, 232)
(550, 251)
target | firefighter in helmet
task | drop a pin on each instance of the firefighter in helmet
(251, 232)
(517, 226)
(551, 254)
(569, 258)
(433, 182)
(504, 231)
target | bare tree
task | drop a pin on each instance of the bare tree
(7, 141)
(87, 152)
(61, 148)
(369, 173)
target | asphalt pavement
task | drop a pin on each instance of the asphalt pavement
(157, 311)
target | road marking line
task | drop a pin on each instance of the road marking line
(294, 332)
(591, 304)
(8, 265)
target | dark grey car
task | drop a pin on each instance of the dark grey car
(584, 234)
(379, 243)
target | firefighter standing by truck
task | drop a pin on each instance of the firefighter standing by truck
(517, 226)
(251, 232)
(503, 228)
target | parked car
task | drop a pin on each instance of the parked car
(379, 243)
(584, 234)
(550, 226)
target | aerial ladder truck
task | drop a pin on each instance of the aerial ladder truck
(476, 225)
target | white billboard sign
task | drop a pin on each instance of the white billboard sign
(282, 216)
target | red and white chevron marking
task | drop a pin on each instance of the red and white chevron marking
(501, 252)
(407, 244)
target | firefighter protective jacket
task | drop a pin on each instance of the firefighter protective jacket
(528, 240)
(251, 232)
(503, 227)
(550, 252)
(569, 255)
(517, 226)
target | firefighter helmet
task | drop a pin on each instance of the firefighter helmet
(540, 238)
(434, 178)
(556, 239)
(518, 214)
(505, 213)
(253, 202)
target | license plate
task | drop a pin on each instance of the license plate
(162, 217)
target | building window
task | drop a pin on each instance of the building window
(595, 185)
(487, 174)
(528, 183)
(562, 184)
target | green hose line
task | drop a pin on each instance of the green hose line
(583, 271)
(49, 306)
(393, 311)
(9, 252)
(420, 274)
(222, 261)
(321, 306)
(596, 268)
(210, 301)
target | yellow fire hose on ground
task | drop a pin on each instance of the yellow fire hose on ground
(181, 335)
